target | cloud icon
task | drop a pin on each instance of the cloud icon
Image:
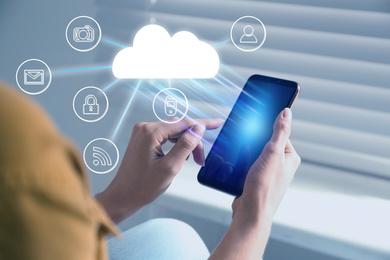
(155, 54)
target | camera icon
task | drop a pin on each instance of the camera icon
(84, 34)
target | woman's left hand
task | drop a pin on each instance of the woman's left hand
(146, 172)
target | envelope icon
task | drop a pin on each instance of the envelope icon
(34, 77)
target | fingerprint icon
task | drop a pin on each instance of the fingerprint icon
(102, 157)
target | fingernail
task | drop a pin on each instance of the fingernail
(286, 113)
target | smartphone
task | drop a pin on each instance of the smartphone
(246, 131)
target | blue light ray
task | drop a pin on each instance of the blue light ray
(114, 43)
(208, 99)
(126, 109)
(159, 86)
(112, 84)
(229, 81)
(139, 91)
(194, 111)
(205, 100)
(221, 43)
(217, 97)
(232, 72)
(82, 69)
(225, 85)
(204, 141)
(235, 86)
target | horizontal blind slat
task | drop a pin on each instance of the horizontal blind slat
(343, 116)
(343, 159)
(342, 138)
(363, 5)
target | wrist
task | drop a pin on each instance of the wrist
(117, 206)
(254, 221)
(254, 210)
(110, 206)
(246, 237)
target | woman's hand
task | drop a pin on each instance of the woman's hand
(270, 176)
(265, 185)
(146, 172)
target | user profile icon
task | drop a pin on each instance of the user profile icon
(248, 36)
(90, 104)
(33, 76)
(101, 155)
(248, 33)
(83, 33)
(170, 105)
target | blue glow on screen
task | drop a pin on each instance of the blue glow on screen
(251, 128)
(245, 133)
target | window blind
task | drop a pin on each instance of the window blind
(339, 52)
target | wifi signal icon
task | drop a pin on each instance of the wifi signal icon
(102, 157)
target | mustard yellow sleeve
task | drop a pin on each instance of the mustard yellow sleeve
(46, 211)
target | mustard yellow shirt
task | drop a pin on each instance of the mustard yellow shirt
(46, 210)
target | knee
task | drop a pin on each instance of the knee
(178, 236)
(172, 226)
(159, 239)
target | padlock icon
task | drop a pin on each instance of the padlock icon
(91, 106)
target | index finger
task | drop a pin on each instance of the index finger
(176, 129)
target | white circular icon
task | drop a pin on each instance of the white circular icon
(90, 104)
(169, 103)
(101, 155)
(33, 76)
(248, 33)
(83, 33)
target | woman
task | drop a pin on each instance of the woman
(46, 211)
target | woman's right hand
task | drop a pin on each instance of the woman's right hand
(265, 185)
(269, 177)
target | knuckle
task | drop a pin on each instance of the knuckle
(187, 143)
(285, 127)
(147, 129)
(185, 121)
(144, 129)
(138, 126)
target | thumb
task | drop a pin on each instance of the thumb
(185, 144)
(282, 128)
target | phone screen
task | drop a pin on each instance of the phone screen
(246, 131)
